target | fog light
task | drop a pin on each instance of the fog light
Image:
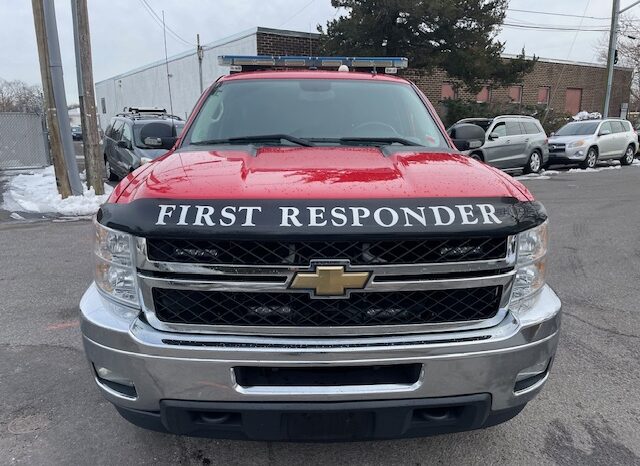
(115, 382)
(108, 374)
(531, 375)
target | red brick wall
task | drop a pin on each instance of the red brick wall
(557, 76)
(275, 44)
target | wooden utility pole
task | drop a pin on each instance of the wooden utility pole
(55, 142)
(92, 158)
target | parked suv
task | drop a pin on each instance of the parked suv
(587, 142)
(124, 148)
(510, 141)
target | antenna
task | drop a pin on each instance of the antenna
(166, 62)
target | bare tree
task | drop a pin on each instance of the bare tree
(628, 54)
(18, 96)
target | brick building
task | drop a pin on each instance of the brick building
(564, 86)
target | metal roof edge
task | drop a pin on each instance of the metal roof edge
(567, 62)
(179, 56)
(288, 33)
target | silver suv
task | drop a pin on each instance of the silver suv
(586, 142)
(510, 141)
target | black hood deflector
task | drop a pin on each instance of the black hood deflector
(319, 219)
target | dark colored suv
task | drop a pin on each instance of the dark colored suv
(125, 150)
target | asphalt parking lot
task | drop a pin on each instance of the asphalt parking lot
(589, 412)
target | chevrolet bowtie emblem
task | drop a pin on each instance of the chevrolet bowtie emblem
(330, 281)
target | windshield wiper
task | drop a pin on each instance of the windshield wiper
(384, 141)
(368, 140)
(259, 138)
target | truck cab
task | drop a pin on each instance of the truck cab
(313, 260)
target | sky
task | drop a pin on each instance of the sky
(125, 34)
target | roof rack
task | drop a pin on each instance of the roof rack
(239, 63)
(137, 113)
(514, 116)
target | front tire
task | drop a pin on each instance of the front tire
(534, 165)
(629, 155)
(591, 160)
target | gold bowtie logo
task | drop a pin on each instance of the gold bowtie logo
(330, 281)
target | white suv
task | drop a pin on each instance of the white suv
(587, 142)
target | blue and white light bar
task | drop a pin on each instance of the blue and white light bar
(252, 63)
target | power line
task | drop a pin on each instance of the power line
(297, 13)
(557, 28)
(568, 15)
(562, 70)
(159, 21)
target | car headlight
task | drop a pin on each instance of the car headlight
(579, 143)
(115, 268)
(531, 266)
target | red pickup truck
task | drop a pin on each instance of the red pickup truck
(314, 260)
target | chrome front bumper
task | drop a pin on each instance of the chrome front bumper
(192, 367)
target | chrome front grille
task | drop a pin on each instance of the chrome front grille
(303, 252)
(298, 310)
(432, 295)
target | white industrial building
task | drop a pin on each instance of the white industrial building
(147, 86)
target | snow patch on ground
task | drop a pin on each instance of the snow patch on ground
(547, 174)
(36, 192)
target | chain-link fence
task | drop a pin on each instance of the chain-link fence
(22, 141)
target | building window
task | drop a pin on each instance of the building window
(448, 91)
(543, 95)
(103, 105)
(515, 94)
(573, 100)
(484, 95)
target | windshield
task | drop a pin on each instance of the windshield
(578, 129)
(329, 111)
(164, 129)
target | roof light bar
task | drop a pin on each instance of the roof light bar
(252, 63)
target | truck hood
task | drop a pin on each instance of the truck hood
(316, 173)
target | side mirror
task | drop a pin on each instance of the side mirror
(160, 143)
(461, 144)
(494, 136)
(604, 132)
(466, 136)
(124, 144)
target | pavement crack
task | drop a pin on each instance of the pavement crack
(599, 327)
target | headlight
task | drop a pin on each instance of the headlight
(579, 143)
(115, 270)
(531, 268)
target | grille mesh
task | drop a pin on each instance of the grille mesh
(302, 252)
(297, 309)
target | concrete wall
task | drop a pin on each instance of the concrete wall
(147, 86)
